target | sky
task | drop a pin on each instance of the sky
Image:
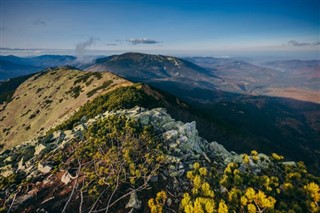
(202, 27)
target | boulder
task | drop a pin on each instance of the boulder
(170, 135)
(44, 169)
(169, 125)
(218, 151)
(21, 165)
(134, 202)
(66, 178)
(39, 148)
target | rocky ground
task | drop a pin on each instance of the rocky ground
(183, 148)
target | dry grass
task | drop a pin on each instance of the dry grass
(41, 103)
(295, 93)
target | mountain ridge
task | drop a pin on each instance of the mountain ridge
(46, 97)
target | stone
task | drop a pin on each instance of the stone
(81, 127)
(169, 125)
(20, 165)
(264, 161)
(170, 135)
(144, 119)
(173, 145)
(66, 178)
(44, 169)
(58, 136)
(91, 121)
(68, 134)
(39, 148)
(180, 166)
(171, 167)
(172, 159)
(134, 202)
(218, 151)
(181, 172)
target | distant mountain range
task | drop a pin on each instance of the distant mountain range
(13, 66)
(288, 78)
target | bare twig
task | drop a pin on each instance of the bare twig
(115, 189)
(14, 198)
(81, 201)
(46, 200)
(97, 200)
(75, 186)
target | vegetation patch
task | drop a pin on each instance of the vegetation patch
(29, 110)
(84, 78)
(74, 91)
(117, 158)
(105, 85)
(281, 188)
(120, 98)
(34, 114)
(39, 90)
(8, 88)
(48, 102)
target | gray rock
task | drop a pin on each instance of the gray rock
(144, 119)
(169, 125)
(66, 178)
(39, 148)
(81, 127)
(44, 169)
(134, 202)
(21, 165)
(172, 159)
(170, 135)
(173, 145)
(169, 202)
(174, 174)
(58, 136)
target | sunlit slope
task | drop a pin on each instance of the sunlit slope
(48, 98)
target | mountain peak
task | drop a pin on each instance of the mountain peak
(137, 66)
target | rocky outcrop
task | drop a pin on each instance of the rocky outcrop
(183, 143)
(181, 140)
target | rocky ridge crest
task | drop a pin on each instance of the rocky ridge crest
(183, 145)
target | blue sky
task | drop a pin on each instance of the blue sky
(172, 27)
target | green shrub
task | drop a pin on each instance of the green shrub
(120, 98)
